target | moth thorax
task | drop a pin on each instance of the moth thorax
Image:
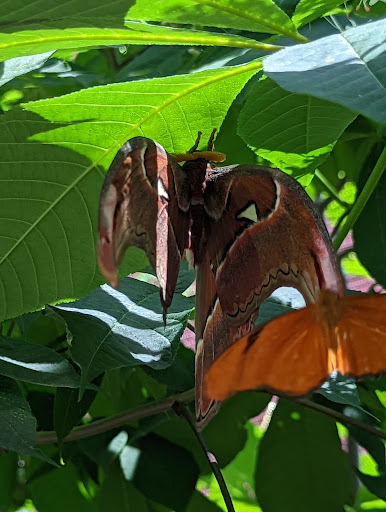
(327, 308)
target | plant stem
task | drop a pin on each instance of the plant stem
(360, 203)
(181, 410)
(106, 424)
(338, 416)
(10, 328)
(330, 188)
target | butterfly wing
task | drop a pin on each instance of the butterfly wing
(263, 232)
(287, 355)
(138, 206)
(361, 335)
(270, 235)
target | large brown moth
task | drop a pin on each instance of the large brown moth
(247, 229)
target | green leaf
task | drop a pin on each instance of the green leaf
(59, 491)
(294, 132)
(38, 365)
(374, 446)
(47, 245)
(230, 421)
(120, 493)
(370, 234)
(20, 65)
(257, 16)
(347, 68)
(199, 502)
(228, 141)
(165, 472)
(180, 375)
(308, 10)
(340, 389)
(104, 448)
(124, 327)
(300, 461)
(17, 425)
(239, 474)
(375, 484)
(35, 37)
(8, 480)
(68, 410)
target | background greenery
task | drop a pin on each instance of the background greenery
(295, 84)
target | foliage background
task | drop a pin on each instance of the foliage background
(295, 84)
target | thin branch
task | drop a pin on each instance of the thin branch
(106, 424)
(338, 416)
(10, 328)
(360, 203)
(330, 188)
(181, 410)
(191, 328)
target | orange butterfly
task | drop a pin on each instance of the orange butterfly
(296, 352)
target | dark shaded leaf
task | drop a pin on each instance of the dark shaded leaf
(58, 490)
(300, 461)
(8, 480)
(165, 472)
(104, 448)
(370, 233)
(119, 493)
(375, 484)
(340, 389)
(17, 425)
(68, 410)
(38, 365)
(372, 444)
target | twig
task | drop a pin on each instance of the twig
(338, 416)
(330, 188)
(181, 410)
(360, 203)
(191, 328)
(106, 424)
(10, 328)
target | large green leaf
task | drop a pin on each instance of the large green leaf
(257, 16)
(294, 132)
(370, 233)
(301, 456)
(49, 195)
(35, 38)
(17, 425)
(347, 68)
(39, 365)
(124, 327)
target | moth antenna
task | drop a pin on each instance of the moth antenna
(193, 149)
(210, 141)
